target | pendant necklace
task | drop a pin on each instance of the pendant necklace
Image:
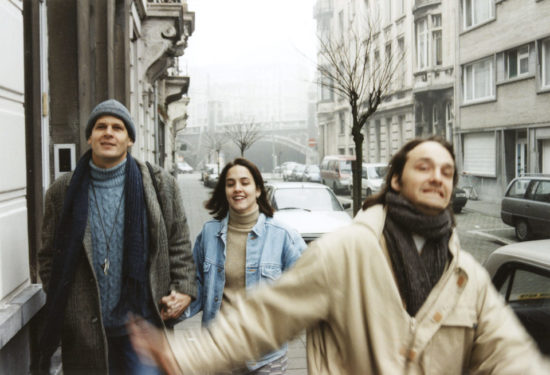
(106, 262)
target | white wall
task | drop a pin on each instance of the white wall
(14, 262)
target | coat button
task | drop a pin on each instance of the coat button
(94, 319)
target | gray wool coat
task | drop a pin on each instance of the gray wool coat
(171, 267)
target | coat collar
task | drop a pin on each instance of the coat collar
(374, 218)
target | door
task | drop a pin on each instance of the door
(545, 167)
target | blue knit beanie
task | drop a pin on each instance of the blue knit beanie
(114, 108)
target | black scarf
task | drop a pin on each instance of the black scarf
(69, 251)
(416, 273)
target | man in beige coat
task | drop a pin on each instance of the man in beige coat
(392, 293)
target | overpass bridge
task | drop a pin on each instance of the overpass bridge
(279, 142)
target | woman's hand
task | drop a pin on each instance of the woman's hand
(151, 345)
(173, 305)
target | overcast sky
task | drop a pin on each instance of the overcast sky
(249, 32)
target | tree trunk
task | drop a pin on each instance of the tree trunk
(357, 169)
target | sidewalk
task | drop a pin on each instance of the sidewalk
(491, 208)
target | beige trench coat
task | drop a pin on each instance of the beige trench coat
(344, 292)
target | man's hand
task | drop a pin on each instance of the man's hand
(173, 305)
(151, 345)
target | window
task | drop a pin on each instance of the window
(479, 154)
(388, 53)
(545, 63)
(387, 13)
(422, 44)
(478, 80)
(437, 42)
(342, 119)
(402, 66)
(476, 12)
(517, 62)
(341, 25)
(326, 92)
(400, 7)
(437, 47)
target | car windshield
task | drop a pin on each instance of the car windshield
(377, 172)
(345, 166)
(307, 199)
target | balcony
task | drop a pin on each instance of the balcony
(419, 4)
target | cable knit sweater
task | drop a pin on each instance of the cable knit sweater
(109, 191)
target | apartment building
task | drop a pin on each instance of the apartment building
(60, 58)
(434, 67)
(393, 123)
(503, 91)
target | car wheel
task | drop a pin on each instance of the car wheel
(522, 230)
(457, 209)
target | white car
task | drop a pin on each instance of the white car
(521, 274)
(310, 208)
(184, 167)
(372, 178)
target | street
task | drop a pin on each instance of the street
(480, 229)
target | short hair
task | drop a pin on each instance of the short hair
(218, 204)
(397, 164)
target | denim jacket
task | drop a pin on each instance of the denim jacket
(271, 248)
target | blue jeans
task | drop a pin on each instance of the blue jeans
(123, 360)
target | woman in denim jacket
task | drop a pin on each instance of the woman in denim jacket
(242, 247)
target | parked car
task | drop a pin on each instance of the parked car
(297, 173)
(210, 175)
(372, 178)
(526, 206)
(336, 172)
(212, 179)
(286, 169)
(458, 199)
(207, 169)
(183, 167)
(521, 273)
(312, 173)
(311, 208)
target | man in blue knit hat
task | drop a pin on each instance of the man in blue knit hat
(115, 241)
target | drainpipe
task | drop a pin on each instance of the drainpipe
(156, 114)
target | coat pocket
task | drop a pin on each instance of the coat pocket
(270, 273)
(450, 347)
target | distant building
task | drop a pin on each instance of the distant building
(503, 92)
(393, 123)
(61, 58)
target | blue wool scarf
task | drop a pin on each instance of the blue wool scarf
(69, 251)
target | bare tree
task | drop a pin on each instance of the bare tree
(214, 142)
(244, 135)
(351, 67)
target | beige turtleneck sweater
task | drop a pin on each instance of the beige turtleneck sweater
(238, 227)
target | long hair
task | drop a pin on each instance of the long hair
(397, 164)
(218, 204)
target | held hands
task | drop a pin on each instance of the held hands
(173, 305)
(151, 345)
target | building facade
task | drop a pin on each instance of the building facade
(503, 92)
(393, 123)
(61, 58)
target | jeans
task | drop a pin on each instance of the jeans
(123, 360)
